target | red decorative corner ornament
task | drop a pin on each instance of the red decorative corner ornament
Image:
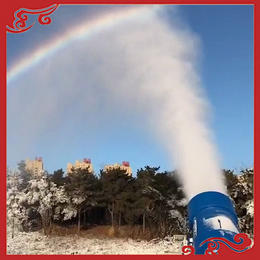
(19, 24)
(188, 250)
(240, 244)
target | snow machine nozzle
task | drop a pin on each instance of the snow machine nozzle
(211, 215)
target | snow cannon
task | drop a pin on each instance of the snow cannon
(211, 215)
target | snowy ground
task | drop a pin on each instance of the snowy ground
(37, 243)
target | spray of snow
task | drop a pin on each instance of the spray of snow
(143, 70)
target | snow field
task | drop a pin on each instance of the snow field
(39, 244)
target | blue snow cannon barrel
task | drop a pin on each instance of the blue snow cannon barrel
(211, 214)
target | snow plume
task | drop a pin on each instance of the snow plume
(144, 70)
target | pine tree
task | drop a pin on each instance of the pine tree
(148, 195)
(25, 175)
(58, 177)
(81, 188)
(114, 183)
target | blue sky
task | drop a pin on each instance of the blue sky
(226, 70)
(228, 76)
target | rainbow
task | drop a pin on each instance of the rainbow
(84, 30)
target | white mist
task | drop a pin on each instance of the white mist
(144, 68)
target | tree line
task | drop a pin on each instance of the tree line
(152, 200)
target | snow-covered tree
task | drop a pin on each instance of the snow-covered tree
(65, 212)
(241, 190)
(245, 200)
(17, 214)
(178, 214)
(44, 196)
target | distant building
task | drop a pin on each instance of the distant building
(123, 166)
(86, 163)
(35, 166)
